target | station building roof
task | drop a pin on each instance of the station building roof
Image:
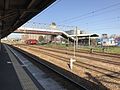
(85, 35)
(14, 13)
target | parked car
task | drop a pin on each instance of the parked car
(31, 41)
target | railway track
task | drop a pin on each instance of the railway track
(86, 55)
(104, 74)
(100, 53)
(52, 72)
(88, 51)
(81, 51)
(81, 64)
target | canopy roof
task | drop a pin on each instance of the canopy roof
(14, 13)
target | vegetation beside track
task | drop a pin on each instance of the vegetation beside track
(114, 50)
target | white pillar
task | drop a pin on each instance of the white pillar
(71, 63)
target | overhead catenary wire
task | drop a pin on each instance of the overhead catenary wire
(102, 20)
(105, 29)
(92, 16)
(65, 27)
(92, 12)
(103, 26)
(47, 26)
(113, 20)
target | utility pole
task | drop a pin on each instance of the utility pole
(75, 45)
(74, 48)
(76, 38)
(89, 40)
(75, 41)
(73, 59)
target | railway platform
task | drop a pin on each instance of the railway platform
(17, 72)
(8, 76)
(12, 75)
(34, 73)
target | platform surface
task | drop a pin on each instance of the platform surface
(8, 76)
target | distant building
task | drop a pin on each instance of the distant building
(112, 40)
(25, 37)
(109, 42)
(83, 38)
(104, 36)
(53, 25)
(70, 32)
(118, 40)
(74, 32)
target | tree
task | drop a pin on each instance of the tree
(41, 38)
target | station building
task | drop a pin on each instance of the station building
(83, 38)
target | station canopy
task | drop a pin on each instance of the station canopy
(14, 13)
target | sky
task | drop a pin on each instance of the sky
(92, 16)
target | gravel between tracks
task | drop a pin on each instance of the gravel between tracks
(99, 78)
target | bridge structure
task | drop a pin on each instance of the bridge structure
(55, 32)
(44, 32)
(37, 31)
